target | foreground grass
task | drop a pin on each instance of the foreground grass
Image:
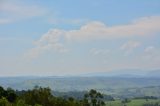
(135, 102)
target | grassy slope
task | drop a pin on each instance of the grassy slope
(138, 102)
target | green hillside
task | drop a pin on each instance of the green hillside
(117, 87)
(134, 102)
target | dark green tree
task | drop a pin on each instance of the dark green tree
(3, 93)
(11, 95)
(4, 102)
(93, 98)
(38, 95)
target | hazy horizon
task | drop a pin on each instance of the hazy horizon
(68, 37)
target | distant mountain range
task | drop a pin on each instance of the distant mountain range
(127, 73)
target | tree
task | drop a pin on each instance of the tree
(11, 95)
(3, 93)
(93, 98)
(37, 105)
(38, 95)
(4, 102)
(21, 102)
(125, 101)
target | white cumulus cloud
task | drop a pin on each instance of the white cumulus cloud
(14, 11)
(149, 49)
(95, 51)
(49, 41)
(4, 21)
(129, 46)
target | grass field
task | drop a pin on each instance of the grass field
(135, 102)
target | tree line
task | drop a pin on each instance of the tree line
(39, 96)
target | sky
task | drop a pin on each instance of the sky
(74, 37)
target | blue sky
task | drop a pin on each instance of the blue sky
(72, 37)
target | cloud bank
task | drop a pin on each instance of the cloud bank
(146, 26)
(98, 30)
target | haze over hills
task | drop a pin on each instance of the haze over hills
(55, 51)
(116, 84)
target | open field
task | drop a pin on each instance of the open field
(135, 102)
